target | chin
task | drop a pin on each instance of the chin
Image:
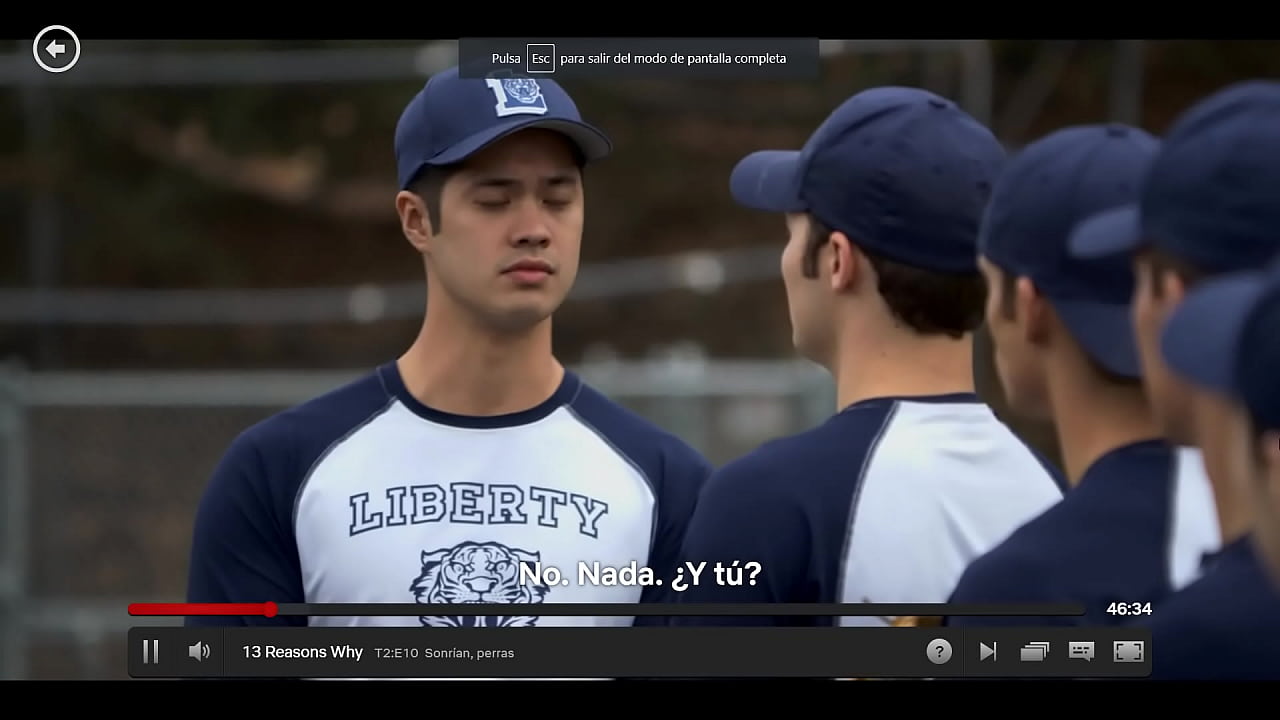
(518, 319)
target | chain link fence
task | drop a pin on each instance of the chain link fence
(102, 473)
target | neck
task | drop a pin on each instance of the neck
(1235, 511)
(460, 368)
(1091, 419)
(1229, 472)
(1235, 514)
(896, 365)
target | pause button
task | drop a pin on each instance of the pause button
(150, 652)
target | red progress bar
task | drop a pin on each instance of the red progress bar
(266, 609)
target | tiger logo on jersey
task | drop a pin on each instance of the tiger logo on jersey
(475, 573)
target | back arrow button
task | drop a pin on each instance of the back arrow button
(56, 49)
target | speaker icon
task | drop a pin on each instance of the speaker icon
(198, 651)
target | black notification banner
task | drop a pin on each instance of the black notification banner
(620, 652)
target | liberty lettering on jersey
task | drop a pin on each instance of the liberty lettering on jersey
(472, 503)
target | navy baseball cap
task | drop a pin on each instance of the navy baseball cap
(901, 171)
(1212, 196)
(1225, 336)
(453, 117)
(1048, 189)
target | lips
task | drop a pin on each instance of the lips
(530, 266)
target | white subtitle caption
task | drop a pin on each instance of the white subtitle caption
(688, 575)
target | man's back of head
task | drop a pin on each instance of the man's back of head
(1061, 325)
(1226, 338)
(883, 204)
(1210, 204)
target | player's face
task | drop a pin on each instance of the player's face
(1021, 375)
(1170, 395)
(807, 303)
(509, 239)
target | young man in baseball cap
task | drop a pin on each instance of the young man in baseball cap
(1210, 205)
(447, 474)
(1065, 353)
(914, 476)
(1225, 338)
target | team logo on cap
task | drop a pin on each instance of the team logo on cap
(517, 96)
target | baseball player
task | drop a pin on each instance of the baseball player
(1208, 207)
(443, 476)
(914, 476)
(1225, 337)
(1065, 353)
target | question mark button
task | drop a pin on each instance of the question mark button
(939, 651)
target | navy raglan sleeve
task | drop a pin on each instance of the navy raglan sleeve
(745, 516)
(1004, 577)
(684, 474)
(243, 548)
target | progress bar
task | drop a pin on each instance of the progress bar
(886, 610)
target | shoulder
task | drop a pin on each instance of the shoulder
(965, 431)
(1221, 626)
(657, 453)
(803, 469)
(284, 446)
(1233, 588)
(1022, 567)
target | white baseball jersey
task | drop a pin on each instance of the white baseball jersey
(888, 501)
(366, 495)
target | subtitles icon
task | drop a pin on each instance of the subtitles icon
(1034, 652)
(1080, 651)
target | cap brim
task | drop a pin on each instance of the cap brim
(1108, 233)
(1105, 331)
(1201, 337)
(593, 143)
(768, 180)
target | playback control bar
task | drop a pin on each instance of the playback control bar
(621, 652)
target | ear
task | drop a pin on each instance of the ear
(1172, 289)
(1032, 311)
(845, 262)
(415, 221)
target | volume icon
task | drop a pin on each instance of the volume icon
(198, 651)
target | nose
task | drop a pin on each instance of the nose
(531, 228)
(532, 239)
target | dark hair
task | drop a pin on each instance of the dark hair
(927, 301)
(428, 184)
(1009, 310)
